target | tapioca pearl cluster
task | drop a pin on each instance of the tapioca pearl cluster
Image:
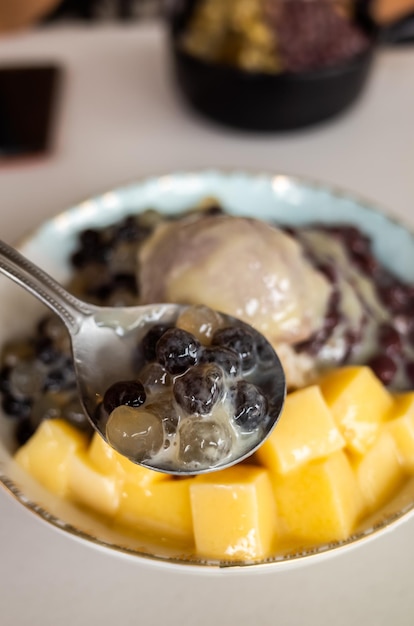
(191, 389)
(38, 381)
(105, 260)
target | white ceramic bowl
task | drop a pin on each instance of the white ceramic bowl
(275, 197)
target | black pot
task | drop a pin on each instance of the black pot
(267, 102)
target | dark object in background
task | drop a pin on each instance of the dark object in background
(399, 33)
(28, 97)
(265, 101)
(98, 10)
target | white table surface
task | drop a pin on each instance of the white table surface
(120, 119)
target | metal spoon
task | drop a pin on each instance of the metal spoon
(103, 341)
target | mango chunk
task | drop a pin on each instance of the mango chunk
(401, 427)
(306, 430)
(88, 486)
(46, 454)
(359, 404)
(379, 472)
(320, 501)
(234, 514)
(109, 461)
(161, 508)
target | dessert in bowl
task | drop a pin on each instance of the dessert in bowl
(324, 480)
(270, 65)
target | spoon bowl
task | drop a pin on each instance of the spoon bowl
(107, 348)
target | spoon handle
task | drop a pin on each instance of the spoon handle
(29, 276)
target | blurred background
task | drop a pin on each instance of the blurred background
(135, 86)
(23, 12)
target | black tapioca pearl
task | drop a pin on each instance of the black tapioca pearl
(5, 379)
(83, 257)
(239, 339)
(177, 350)
(265, 354)
(130, 229)
(78, 259)
(199, 389)
(122, 281)
(100, 292)
(250, 406)
(125, 280)
(16, 407)
(90, 238)
(227, 359)
(54, 380)
(45, 350)
(92, 248)
(129, 393)
(150, 340)
(61, 377)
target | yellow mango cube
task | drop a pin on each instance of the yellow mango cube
(379, 472)
(234, 514)
(306, 430)
(161, 508)
(359, 403)
(89, 487)
(401, 427)
(109, 461)
(320, 501)
(47, 453)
